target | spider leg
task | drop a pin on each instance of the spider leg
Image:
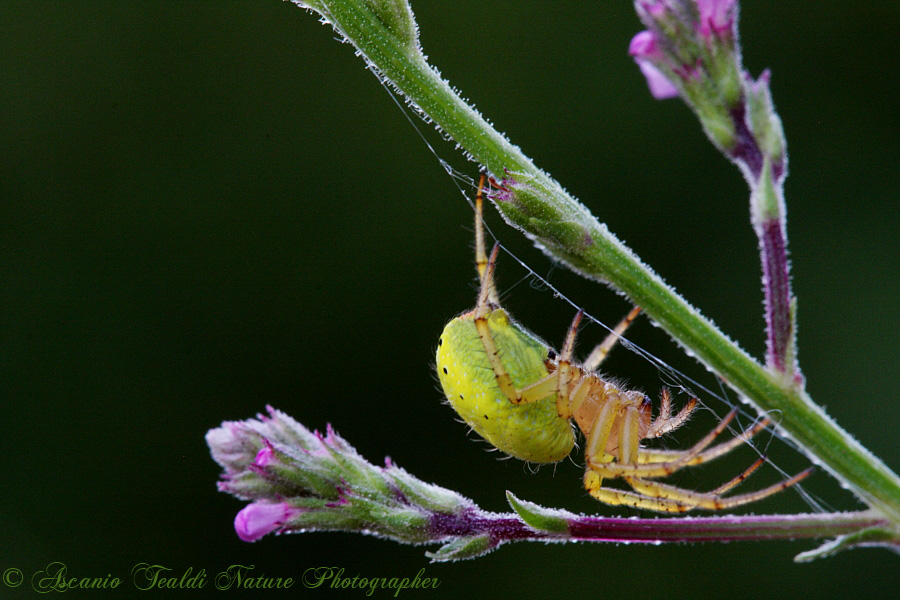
(653, 495)
(568, 400)
(539, 390)
(740, 478)
(578, 395)
(638, 468)
(482, 309)
(629, 436)
(598, 438)
(599, 354)
(487, 299)
(481, 261)
(642, 486)
(557, 382)
(616, 497)
(711, 500)
(665, 422)
(662, 456)
(665, 413)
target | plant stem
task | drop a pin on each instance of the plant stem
(509, 527)
(603, 256)
(764, 168)
(730, 528)
(777, 284)
(299, 480)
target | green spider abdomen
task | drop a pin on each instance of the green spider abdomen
(533, 432)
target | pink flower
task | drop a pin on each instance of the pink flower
(264, 457)
(716, 15)
(260, 518)
(655, 8)
(644, 48)
(660, 86)
(643, 45)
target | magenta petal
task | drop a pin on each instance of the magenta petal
(260, 518)
(264, 457)
(655, 8)
(716, 15)
(643, 45)
(660, 86)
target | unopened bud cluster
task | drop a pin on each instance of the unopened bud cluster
(302, 480)
(690, 49)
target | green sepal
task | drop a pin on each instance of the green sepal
(764, 121)
(725, 71)
(463, 548)
(349, 466)
(407, 524)
(250, 486)
(304, 476)
(538, 517)
(325, 520)
(430, 497)
(764, 197)
(393, 17)
(716, 120)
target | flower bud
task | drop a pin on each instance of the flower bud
(261, 518)
(300, 480)
(644, 48)
(716, 16)
(690, 49)
(264, 457)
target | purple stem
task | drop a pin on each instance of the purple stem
(746, 152)
(772, 235)
(776, 281)
(509, 527)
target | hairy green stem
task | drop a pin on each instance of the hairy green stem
(600, 255)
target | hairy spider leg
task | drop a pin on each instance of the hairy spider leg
(481, 260)
(599, 354)
(655, 495)
(665, 498)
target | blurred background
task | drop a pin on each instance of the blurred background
(208, 207)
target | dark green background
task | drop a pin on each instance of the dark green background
(208, 207)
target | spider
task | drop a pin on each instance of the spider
(521, 396)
